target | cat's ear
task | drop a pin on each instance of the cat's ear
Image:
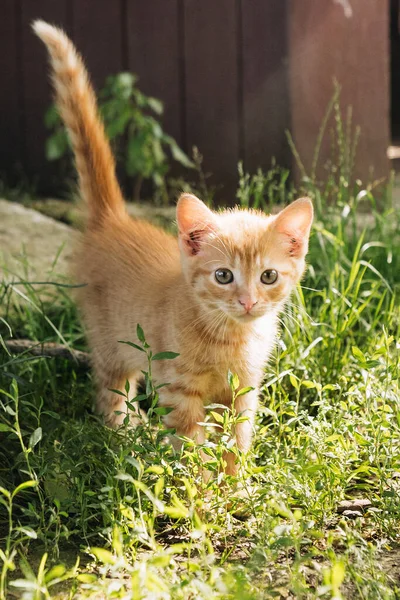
(195, 222)
(293, 223)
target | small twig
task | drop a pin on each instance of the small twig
(48, 349)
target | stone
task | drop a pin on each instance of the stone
(33, 246)
(358, 505)
(352, 514)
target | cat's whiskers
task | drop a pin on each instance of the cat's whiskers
(221, 241)
(205, 243)
(301, 310)
(207, 335)
(285, 326)
(294, 320)
(210, 343)
(210, 245)
(201, 317)
(212, 261)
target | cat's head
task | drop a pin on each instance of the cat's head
(241, 262)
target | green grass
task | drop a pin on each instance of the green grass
(87, 512)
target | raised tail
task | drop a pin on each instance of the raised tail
(77, 106)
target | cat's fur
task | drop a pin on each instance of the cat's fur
(137, 273)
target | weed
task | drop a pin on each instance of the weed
(140, 518)
(132, 123)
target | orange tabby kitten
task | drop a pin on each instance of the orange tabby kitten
(213, 295)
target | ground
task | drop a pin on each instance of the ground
(138, 517)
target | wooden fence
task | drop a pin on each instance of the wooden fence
(233, 74)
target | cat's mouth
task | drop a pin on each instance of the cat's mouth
(247, 316)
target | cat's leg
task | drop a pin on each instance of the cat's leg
(186, 414)
(109, 403)
(187, 411)
(246, 407)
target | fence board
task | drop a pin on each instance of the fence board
(221, 69)
(153, 53)
(36, 86)
(10, 149)
(265, 82)
(325, 44)
(102, 49)
(212, 92)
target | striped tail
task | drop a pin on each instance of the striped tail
(77, 106)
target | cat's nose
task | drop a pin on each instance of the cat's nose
(247, 303)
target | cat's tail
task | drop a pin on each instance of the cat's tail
(76, 103)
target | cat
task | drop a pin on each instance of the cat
(214, 295)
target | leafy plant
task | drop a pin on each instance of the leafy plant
(327, 429)
(264, 189)
(132, 122)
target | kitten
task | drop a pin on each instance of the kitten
(213, 295)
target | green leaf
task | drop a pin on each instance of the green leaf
(294, 381)
(165, 356)
(5, 492)
(337, 575)
(30, 533)
(159, 486)
(157, 469)
(155, 105)
(24, 584)
(162, 560)
(132, 345)
(138, 158)
(35, 437)
(119, 124)
(215, 405)
(180, 156)
(333, 437)
(176, 512)
(55, 573)
(118, 392)
(309, 384)
(244, 391)
(233, 381)
(57, 145)
(24, 486)
(140, 398)
(162, 410)
(219, 418)
(103, 555)
(51, 117)
(135, 463)
(140, 334)
(4, 427)
(86, 577)
(357, 353)
(124, 82)
(124, 477)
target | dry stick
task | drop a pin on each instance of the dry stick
(48, 349)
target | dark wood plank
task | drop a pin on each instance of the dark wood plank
(325, 44)
(36, 87)
(265, 83)
(97, 34)
(212, 93)
(10, 126)
(153, 54)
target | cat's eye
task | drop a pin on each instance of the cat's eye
(269, 276)
(224, 276)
